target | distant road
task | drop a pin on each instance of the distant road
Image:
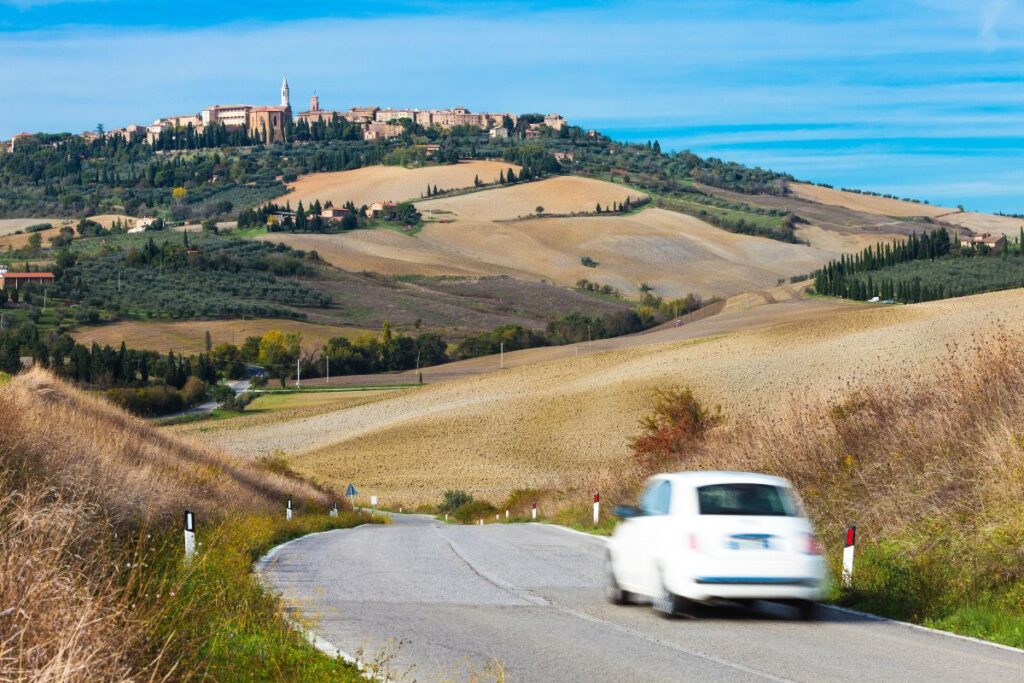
(531, 597)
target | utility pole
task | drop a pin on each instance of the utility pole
(328, 368)
(298, 373)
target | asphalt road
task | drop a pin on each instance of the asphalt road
(459, 599)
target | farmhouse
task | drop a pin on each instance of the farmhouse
(335, 213)
(381, 209)
(16, 280)
(996, 242)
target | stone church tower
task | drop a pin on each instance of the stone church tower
(285, 97)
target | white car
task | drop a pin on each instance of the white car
(706, 537)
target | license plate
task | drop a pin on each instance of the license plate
(748, 542)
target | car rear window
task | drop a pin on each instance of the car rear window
(762, 500)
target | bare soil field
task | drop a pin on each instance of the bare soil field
(972, 220)
(189, 336)
(865, 202)
(452, 307)
(572, 417)
(985, 222)
(395, 183)
(269, 409)
(674, 253)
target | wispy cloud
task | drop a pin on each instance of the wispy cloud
(880, 68)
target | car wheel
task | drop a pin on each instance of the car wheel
(615, 593)
(809, 610)
(668, 604)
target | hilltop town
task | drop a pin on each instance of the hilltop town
(258, 124)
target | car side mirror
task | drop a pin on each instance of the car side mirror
(627, 511)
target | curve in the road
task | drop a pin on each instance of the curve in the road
(460, 598)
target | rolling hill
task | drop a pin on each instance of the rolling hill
(497, 232)
(572, 417)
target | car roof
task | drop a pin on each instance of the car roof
(705, 478)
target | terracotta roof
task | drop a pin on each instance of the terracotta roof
(47, 276)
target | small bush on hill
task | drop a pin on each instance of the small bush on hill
(677, 424)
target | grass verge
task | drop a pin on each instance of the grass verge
(214, 620)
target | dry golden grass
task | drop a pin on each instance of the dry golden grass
(372, 183)
(190, 335)
(572, 418)
(75, 473)
(10, 225)
(865, 202)
(19, 241)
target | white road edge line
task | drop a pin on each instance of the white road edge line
(316, 640)
(919, 627)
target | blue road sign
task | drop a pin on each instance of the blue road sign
(351, 490)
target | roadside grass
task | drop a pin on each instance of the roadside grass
(214, 619)
(92, 580)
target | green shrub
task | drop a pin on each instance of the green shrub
(453, 499)
(469, 513)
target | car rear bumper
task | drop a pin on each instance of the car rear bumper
(803, 580)
(795, 589)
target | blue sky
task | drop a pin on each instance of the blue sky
(922, 98)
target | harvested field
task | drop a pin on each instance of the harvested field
(107, 219)
(867, 203)
(19, 241)
(11, 225)
(272, 408)
(974, 221)
(560, 195)
(675, 253)
(451, 307)
(373, 183)
(537, 424)
(985, 222)
(190, 335)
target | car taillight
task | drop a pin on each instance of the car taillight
(694, 543)
(814, 545)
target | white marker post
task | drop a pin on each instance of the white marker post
(497, 517)
(597, 507)
(851, 538)
(190, 535)
(373, 504)
(288, 510)
(446, 517)
(533, 512)
(506, 515)
(334, 510)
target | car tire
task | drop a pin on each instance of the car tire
(809, 610)
(614, 592)
(667, 604)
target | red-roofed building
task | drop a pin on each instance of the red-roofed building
(16, 280)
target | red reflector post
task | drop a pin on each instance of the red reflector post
(597, 497)
(851, 536)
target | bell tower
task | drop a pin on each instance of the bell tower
(285, 97)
